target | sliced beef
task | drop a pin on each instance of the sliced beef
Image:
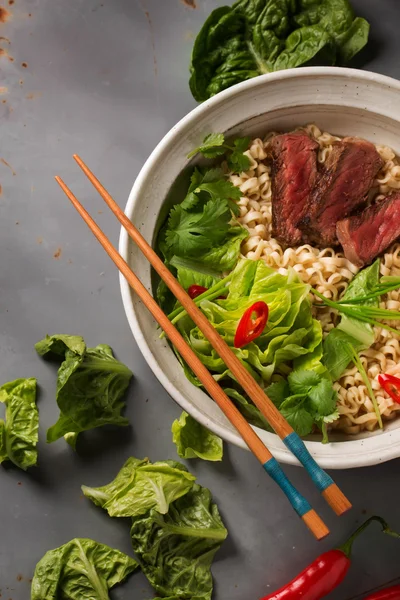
(347, 177)
(370, 233)
(294, 174)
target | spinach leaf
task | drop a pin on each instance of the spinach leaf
(176, 550)
(260, 36)
(90, 387)
(19, 434)
(141, 486)
(82, 569)
(193, 440)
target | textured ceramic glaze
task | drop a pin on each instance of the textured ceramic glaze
(342, 101)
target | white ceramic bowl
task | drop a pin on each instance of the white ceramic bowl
(341, 101)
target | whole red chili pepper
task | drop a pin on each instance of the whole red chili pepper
(249, 328)
(391, 385)
(326, 572)
(391, 593)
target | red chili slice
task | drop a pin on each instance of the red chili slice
(252, 324)
(391, 385)
(196, 290)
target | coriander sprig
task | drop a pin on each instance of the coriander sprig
(214, 144)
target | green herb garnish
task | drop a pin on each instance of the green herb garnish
(214, 145)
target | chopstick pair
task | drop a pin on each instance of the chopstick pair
(330, 491)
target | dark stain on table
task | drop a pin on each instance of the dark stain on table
(6, 164)
(24, 65)
(190, 3)
(4, 15)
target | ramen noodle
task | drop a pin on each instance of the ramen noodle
(329, 272)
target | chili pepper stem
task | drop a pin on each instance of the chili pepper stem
(347, 546)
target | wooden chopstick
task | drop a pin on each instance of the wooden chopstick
(272, 467)
(324, 483)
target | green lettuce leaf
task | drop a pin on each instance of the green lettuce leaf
(260, 36)
(176, 550)
(56, 346)
(192, 440)
(19, 434)
(82, 569)
(90, 387)
(141, 486)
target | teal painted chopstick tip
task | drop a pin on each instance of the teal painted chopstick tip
(298, 502)
(296, 445)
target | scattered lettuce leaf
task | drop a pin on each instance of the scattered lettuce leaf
(193, 440)
(82, 569)
(176, 527)
(141, 486)
(56, 346)
(90, 386)
(19, 433)
(71, 438)
(176, 550)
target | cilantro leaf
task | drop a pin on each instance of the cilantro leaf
(190, 232)
(278, 392)
(301, 381)
(295, 412)
(238, 161)
(220, 189)
(212, 146)
(322, 398)
(191, 201)
(214, 174)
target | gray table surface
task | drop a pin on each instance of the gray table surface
(107, 79)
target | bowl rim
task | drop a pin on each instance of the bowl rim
(336, 455)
